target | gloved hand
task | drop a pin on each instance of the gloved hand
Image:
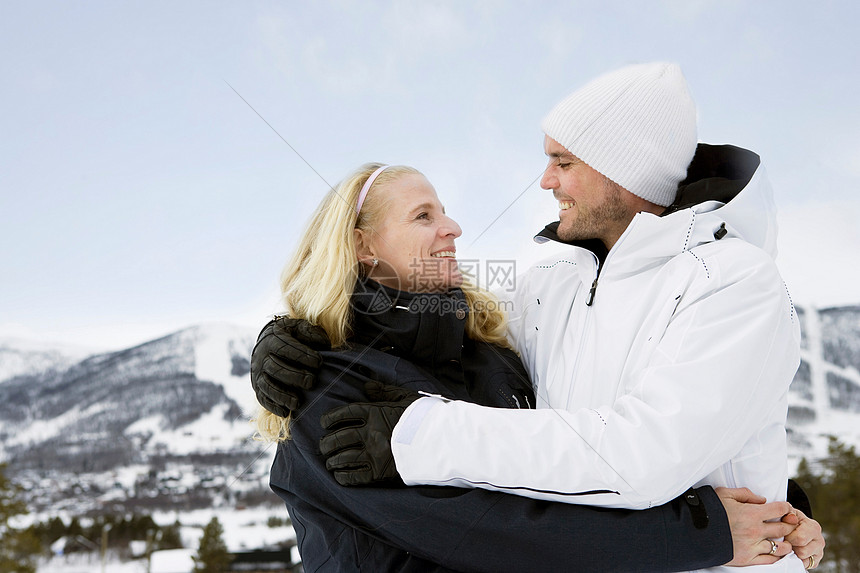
(357, 447)
(285, 359)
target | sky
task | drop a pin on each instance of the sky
(159, 160)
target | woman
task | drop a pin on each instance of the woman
(376, 269)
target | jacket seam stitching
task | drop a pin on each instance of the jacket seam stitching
(555, 263)
(599, 415)
(791, 311)
(702, 261)
(689, 230)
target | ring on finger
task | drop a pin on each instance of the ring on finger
(773, 547)
(811, 561)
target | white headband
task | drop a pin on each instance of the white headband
(366, 187)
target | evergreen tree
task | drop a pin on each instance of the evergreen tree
(75, 528)
(171, 537)
(212, 556)
(18, 549)
(53, 530)
(833, 490)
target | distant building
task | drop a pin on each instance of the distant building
(263, 561)
(260, 561)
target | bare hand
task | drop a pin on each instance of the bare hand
(806, 539)
(756, 526)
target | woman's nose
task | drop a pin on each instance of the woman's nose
(450, 227)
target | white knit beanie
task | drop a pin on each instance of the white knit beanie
(636, 126)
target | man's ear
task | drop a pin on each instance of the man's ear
(363, 248)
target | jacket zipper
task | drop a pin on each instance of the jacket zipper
(591, 292)
(581, 335)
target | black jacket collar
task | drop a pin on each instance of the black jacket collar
(429, 329)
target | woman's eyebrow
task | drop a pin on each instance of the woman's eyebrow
(424, 206)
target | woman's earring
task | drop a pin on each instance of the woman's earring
(375, 262)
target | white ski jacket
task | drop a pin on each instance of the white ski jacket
(665, 366)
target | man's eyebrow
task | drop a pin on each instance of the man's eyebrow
(560, 154)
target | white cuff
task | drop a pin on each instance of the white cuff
(410, 421)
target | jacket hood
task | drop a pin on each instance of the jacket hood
(725, 186)
(426, 328)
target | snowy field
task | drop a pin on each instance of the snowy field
(244, 530)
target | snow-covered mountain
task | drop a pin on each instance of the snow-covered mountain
(147, 421)
(153, 393)
(166, 422)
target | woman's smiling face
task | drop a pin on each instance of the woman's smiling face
(413, 240)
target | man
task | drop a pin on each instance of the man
(661, 345)
(680, 329)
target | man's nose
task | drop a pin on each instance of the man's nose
(548, 180)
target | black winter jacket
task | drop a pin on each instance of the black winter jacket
(418, 341)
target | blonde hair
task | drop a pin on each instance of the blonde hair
(318, 282)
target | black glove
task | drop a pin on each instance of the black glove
(357, 447)
(285, 359)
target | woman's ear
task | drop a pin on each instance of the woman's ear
(363, 248)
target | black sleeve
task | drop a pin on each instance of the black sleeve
(797, 497)
(481, 530)
(546, 536)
